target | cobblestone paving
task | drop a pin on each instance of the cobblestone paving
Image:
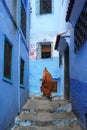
(41, 114)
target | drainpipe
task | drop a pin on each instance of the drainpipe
(18, 86)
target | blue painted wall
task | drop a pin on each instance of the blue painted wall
(9, 90)
(36, 68)
(77, 8)
(78, 75)
(79, 99)
(78, 82)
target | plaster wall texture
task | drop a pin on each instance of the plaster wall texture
(36, 72)
(44, 28)
(9, 90)
(78, 72)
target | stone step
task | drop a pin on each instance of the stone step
(46, 119)
(41, 114)
(46, 105)
(40, 97)
(75, 127)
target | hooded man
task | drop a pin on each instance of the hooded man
(46, 87)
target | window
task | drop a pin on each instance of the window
(45, 6)
(45, 51)
(23, 19)
(22, 72)
(80, 30)
(7, 59)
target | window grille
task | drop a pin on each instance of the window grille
(7, 59)
(44, 50)
(45, 6)
(23, 19)
(80, 31)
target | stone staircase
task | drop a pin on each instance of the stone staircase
(41, 114)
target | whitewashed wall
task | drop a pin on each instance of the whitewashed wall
(45, 28)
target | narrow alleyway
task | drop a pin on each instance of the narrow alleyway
(41, 114)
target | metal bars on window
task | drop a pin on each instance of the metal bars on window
(80, 31)
(44, 7)
(23, 19)
(44, 50)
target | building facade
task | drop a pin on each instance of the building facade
(77, 17)
(62, 44)
(14, 59)
(45, 18)
(73, 53)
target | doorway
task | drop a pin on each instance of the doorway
(66, 75)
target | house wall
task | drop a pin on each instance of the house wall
(24, 91)
(9, 102)
(12, 6)
(43, 29)
(8, 91)
(75, 14)
(78, 81)
(63, 28)
(36, 72)
(78, 72)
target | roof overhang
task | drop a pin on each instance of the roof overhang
(61, 43)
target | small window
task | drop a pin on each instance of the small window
(45, 6)
(23, 19)
(22, 72)
(45, 51)
(7, 59)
